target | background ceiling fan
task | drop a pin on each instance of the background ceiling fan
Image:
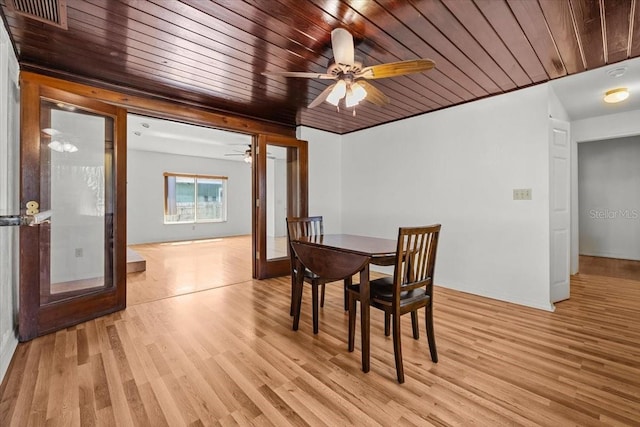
(246, 154)
(351, 79)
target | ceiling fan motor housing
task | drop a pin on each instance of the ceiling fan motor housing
(336, 69)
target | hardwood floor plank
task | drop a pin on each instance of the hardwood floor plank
(235, 371)
(99, 380)
(17, 392)
(230, 393)
(201, 395)
(167, 403)
(106, 417)
(117, 390)
(333, 407)
(152, 406)
(295, 399)
(86, 397)
(178, 395)
(285, 410)
(38, 411)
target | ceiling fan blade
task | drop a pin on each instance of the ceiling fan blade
(302, 74)
(374, 95)
(342, 45)
(320, 98)
(393, 69)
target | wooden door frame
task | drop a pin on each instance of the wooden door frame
(36, 318)
(138, 102)
(297, 199)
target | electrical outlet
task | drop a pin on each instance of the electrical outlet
(79, 253)
(521, 194)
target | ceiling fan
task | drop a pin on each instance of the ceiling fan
(351, 78)
(247, 155)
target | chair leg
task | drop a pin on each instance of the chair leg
(352, 320)
(322, 295)
(397, 347)
(347, 282)
(414, 324)
(293, 294)
(314, 301)
(387, 324)
(428, 312)
(297, 302)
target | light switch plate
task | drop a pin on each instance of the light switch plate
(521, 194)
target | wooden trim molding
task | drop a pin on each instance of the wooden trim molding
(164, 109)
(193, 175)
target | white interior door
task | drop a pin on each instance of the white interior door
(559, 206)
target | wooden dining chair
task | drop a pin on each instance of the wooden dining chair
(307, 226)
(410, 289)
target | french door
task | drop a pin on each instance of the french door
(281, 187)
(73, 165)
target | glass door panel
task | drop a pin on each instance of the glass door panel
(276, 205)
(76, 184)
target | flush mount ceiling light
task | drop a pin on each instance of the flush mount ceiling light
(616, 95)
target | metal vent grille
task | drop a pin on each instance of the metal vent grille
(52, 12)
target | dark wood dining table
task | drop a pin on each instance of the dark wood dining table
(338, 256)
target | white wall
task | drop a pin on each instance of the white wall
(609, 198)
(325, 176)
(9, 200)
(145, 197)
(594, 129)
(459, 167)
(556, 108)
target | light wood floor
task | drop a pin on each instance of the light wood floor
(610, 267)
(178, 268)
(228, 356)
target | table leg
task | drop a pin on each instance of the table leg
(297, 293)
(364, 317)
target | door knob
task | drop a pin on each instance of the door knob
(32, 216)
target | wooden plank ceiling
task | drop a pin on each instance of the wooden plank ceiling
(212, 53)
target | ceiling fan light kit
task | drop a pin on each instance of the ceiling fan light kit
(351, 86)
(338, 92)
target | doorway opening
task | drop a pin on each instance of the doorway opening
(609, 207)
(189, 201)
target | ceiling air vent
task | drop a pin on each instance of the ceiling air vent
(52, 12)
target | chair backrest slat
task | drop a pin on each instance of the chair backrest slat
(302, 226)
(415, 258)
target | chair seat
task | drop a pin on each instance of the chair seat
(309, 275)
(382, 290)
